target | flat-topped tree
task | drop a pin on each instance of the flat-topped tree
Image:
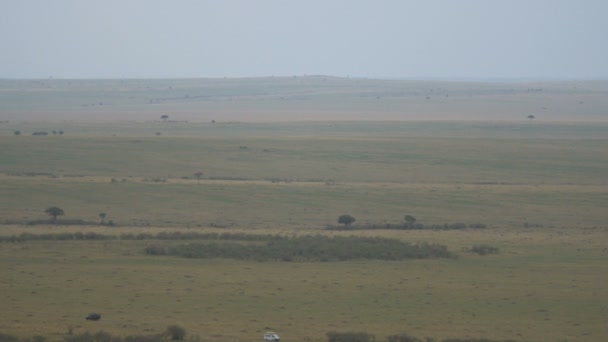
(198, 176)
(346, 220)
(54, 211)
(409, 220)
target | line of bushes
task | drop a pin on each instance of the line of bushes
(177, 333)
(56, 237)
(333, 336)
(64, 222)
(262, 247)
(140, 236)
(310, 248)
(173, 333)
(402, 226)
(483, 249)
(201, 236)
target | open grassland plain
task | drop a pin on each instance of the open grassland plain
(545, 285)
(537, 187)
(313, 98)
(307, 182)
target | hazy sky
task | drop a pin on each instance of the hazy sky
(360, 38)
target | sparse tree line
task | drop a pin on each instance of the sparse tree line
(43, 133)
(333, 336)
(172, 333)
(259, 247)
(55, 212)
(141, 236)
(178, 333)
(273, 248)
(347, 221)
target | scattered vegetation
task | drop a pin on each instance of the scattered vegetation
(176, 332)
(56, 237)
(261, 247)
(406, 338)
(63, 222)
(102, 336)
(155, 180)
(8, 338)
(333, 336)
(409, 225)
(483, 249)
(140, 236)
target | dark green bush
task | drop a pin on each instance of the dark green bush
(102, 336)
(144, 338)
(403, 338)
(334, 336)
(176, 333)
(84, 337)
(474, 340)
(484, 249)
(408, 226)
(8, 338)
(308, 248)
(37, 339)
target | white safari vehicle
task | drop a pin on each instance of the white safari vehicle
(270, 336)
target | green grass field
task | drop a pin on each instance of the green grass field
(539, 186)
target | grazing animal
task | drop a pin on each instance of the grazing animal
(93, 317)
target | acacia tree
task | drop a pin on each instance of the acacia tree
(346, 220)
(530, 117)
(198, 176)
(54, 211)
(410, 220)
(102, 216)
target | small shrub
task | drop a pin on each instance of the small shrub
(37, 338)
(456, 226)
(102, 336)
(403, 338)
(484, 249)
(333, 336)
(474, 340)
(156, 250)
(85, 337)
(7, 338)
(176, 333)
(346, 220)
(144, 338)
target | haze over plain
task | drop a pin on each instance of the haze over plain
(468, 39)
